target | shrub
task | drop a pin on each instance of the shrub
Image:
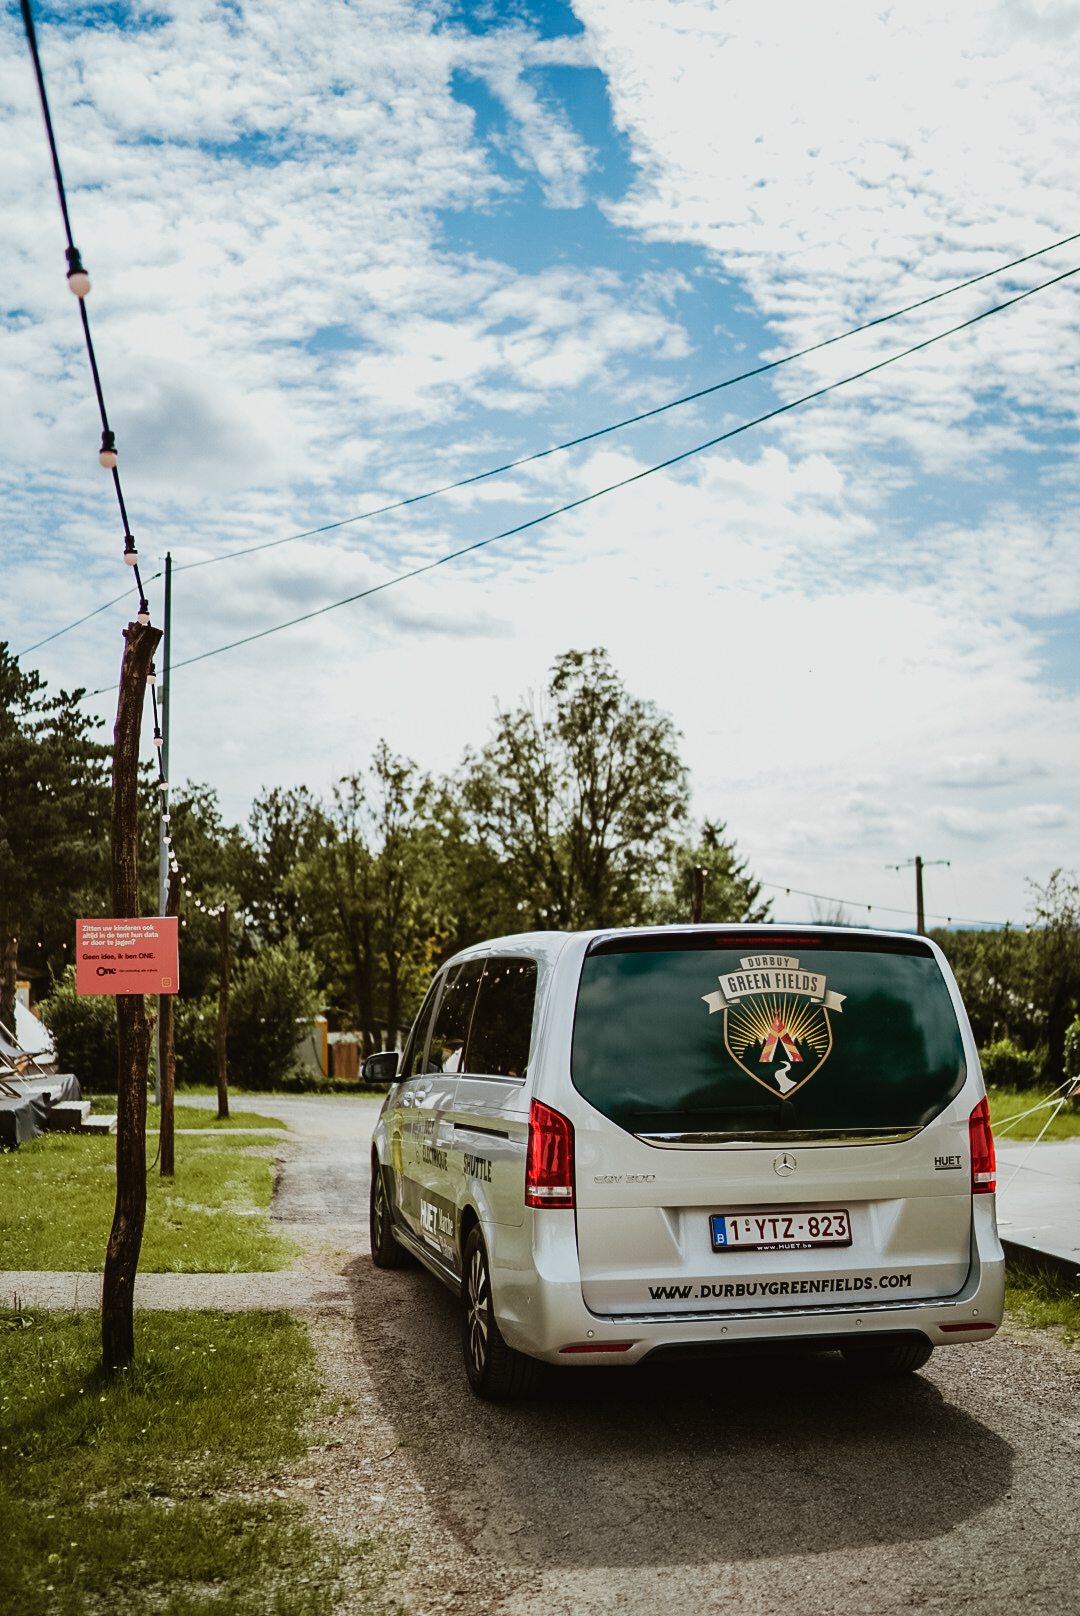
(1006, 1064)
(274, 996)
(84, 1030)
(195, 1040)
(1072, 1049)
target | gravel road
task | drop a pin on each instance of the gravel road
(782, 1485)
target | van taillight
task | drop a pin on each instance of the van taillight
(549, 1164)
(983, 1159)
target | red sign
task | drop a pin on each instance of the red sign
(127, 956)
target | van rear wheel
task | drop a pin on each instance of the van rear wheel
(894, 1357)
(496, 1372)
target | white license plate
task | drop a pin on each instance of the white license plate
(779, 1231)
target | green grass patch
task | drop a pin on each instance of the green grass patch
(57, 1196)
(150, 1491)
(1008, 1102)
(188, 1116)
(1041, 1300)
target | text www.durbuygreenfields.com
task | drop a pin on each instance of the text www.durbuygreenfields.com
(780, 1287)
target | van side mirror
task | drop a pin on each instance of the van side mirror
(379, 1071)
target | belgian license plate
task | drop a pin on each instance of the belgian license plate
(779, 1231)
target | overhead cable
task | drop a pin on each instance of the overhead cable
(623, 482)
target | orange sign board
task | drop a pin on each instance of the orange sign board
(127, 956)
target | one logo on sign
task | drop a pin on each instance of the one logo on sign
(776, 1020)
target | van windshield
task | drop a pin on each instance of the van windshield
(745, 1036)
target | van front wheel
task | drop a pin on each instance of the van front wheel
(496, 1372)
(894, 1357)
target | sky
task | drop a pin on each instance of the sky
(342, 254)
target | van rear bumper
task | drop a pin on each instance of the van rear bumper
(558, 1317)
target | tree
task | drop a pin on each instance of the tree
(54, 818)
(1056, 910)
(730, 894)
(366, 889)
(575, 801)
(283, 829)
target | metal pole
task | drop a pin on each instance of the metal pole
(164, 704)
(920, 912)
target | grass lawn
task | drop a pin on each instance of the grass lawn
(1007, 1102)
(152, 1491)
(187, 1116)
(57, 1195)
(1042, 1299)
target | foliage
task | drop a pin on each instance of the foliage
(996, 974)
(274, 995)
(576, 800)
(168, 1513)
(84, 1030)
(58, 1193)
(195, 1040)
(730, 894)
(54, 814)
(1071, 1049)
(1005, 1064)
(1056, 910)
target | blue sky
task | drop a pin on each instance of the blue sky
(342, 252)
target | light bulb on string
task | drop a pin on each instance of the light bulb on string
(151, 677)
(78, 279)
(107, 453)
(144, 613)
(131, 555)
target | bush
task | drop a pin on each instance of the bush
(195, 1040)
(84, 1030)
(1072, 1050)
(274, 996)
(1006, 1064)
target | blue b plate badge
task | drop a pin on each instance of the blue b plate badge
(779, 1231)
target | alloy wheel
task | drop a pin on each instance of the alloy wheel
(477, 1307)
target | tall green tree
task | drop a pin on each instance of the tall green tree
(730, 892)
(1056, 910)
(54, 823)
(576, 800)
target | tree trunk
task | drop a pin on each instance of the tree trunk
(9, 971)
(223, 1021)
(133, 1025)
(167, 1046)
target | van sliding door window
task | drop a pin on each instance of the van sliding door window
(744, 1036)
(454, 1014)
(502, 1020)
(413, 1058)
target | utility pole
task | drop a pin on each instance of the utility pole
(164, 703)
(920, 864)
(223, 1021)
(133, 1028)
(699, 874)
(167, 1054)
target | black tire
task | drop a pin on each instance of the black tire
(496, 1372)
(901, 1357)
(385, 1251)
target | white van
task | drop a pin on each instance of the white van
(686, 1141)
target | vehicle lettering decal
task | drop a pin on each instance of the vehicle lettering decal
(947, 1164)
(478, 1167)
(775, 1012)
(432, 1157)
(780, 1287)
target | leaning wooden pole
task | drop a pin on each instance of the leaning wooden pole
(223, 1021)
(133, 1026)
(167, 1051)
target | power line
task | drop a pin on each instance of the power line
(588, 437)
(79, 621)
(884, 908)
(623, 482)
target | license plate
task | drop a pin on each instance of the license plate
(779, 1231)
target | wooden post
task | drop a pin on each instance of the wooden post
(167, 1050)
(920, 911)
(699, 875)
(223, 1021)
(133, 1025)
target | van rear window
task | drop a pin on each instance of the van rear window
(745, 1036)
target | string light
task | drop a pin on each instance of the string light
(78, 281)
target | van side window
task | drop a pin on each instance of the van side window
(413, 1056)
(502, 1020)
(454, 1014)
